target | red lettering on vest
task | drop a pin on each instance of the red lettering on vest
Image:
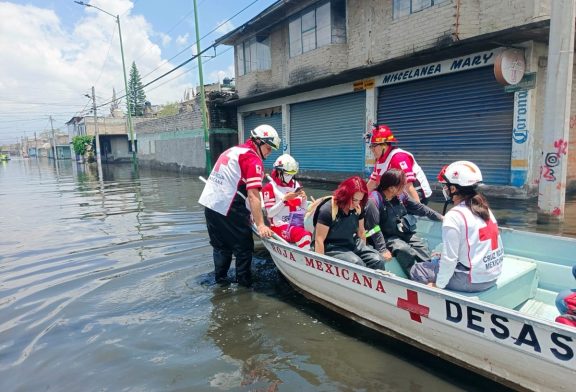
(411, 305)
(490, 232)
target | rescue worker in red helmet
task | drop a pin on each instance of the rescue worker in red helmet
(388, 156)
(231, 193)
(285, 202)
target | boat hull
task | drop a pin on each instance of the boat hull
(522, 352)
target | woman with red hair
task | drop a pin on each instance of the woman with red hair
(340, 225)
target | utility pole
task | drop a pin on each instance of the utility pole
(557, 101)
(202, 94)
(130, 125)
(97, 135)
(53, 141)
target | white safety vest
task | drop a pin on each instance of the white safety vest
(418, 172)
(223, 182)
(279, 215)
(480, 247)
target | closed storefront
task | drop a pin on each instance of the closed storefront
(326, 134)
(271, 117)
(460, 116)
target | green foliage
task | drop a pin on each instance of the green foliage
(136, 95)
(170, 109)
(80, 143)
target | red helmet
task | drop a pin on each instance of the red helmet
(381, 134)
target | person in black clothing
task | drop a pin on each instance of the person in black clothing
(339, 228)
(390, 226)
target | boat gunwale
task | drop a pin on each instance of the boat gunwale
(406, 283)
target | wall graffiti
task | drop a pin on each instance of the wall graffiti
(553, 159)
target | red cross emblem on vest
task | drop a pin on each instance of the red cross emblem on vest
(223, 160)
(417, 311)
(490, 232)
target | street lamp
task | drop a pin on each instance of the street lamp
(130, 128)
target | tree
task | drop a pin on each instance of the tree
(136, 95)
(80, 143)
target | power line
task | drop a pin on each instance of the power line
(204, 36)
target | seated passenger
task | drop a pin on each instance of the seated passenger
(566, 304)
(340, 225)
(472, 251)
(285, 203)
(389, 227)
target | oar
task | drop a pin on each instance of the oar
(254, 228)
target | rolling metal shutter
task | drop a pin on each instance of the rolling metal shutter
(463, 116)
(275, 120)
(326, 134)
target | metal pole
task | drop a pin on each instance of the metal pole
(557, 100)
(130, 127)
(202, 94)
(53, 140)
(97, 135)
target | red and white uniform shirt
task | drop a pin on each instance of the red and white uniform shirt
(469, 240)
(278, 211)
(236, 167)
(396, 158)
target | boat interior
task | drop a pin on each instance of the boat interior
(536, 267)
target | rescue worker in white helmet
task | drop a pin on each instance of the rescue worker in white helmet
(472, 251)
(231, 193)
(285, 202)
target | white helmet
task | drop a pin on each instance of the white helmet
(287, 164)
(461, 173)
(267, 134)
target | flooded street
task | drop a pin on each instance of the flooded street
(107, 286)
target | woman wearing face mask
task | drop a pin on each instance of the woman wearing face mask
(339, 230)
(285, 202)
(390, 229)
(472, 251)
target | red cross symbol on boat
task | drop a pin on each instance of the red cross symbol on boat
(490, 232)
(411, 305)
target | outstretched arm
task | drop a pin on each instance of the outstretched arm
(256, 208)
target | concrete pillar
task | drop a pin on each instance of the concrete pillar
(285, 128)
(371, 119)
(553, 170)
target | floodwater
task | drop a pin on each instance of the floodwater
(107, 286)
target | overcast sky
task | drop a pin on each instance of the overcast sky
(54, 51)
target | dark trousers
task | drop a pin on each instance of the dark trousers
(408, 250)
(231, 235)
(361, 255)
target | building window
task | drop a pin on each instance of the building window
(253, 55)
(407, 7)
(317, 27)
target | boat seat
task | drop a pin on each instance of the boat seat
(516, 285)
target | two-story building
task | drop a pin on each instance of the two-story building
(324, 71)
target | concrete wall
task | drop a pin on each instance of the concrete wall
(571, 180)
(374, 36)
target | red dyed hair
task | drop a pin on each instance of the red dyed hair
(345, 192)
